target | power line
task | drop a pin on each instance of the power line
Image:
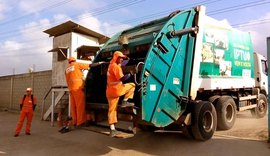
(99, 11)
(114, 6)
(32, 13)
(238, 7)
(117, 5)
(255, 22)
(246, 5)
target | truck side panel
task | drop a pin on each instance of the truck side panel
(225, 60)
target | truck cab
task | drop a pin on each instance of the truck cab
(261, 73)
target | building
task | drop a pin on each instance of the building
(69, 39)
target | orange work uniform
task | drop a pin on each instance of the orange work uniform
(115, 87)
(26, 111)
(75, 82)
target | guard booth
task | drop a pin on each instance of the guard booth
(69, 39)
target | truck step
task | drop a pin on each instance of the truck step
(247, 107)
(106, 131)
(247, 97)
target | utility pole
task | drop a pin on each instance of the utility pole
(31, 72)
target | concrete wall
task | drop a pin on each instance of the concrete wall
(58, 67)
(13, 87)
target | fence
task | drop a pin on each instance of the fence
(12, 88)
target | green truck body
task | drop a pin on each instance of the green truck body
(194, 73)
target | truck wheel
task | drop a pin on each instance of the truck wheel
(226, 112)
(214, 99)
(261, 108)
(204, 120)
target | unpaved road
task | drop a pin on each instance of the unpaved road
(247, 127)
(45, 140)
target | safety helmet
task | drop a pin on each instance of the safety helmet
(119, 54)
(29, 89)
(71, 59)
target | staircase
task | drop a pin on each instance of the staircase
(57, 99)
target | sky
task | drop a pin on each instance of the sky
(24, 45)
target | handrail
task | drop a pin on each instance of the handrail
(137, 69)
(42, 107)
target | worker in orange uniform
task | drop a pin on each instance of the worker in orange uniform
(27, 106)
(75, 82)
(116, 88)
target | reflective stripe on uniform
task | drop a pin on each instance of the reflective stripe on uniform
(113, 83)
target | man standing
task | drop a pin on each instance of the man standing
(115, 89)
(74, 78)
(27, 107)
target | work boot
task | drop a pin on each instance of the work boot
(62, 129)
(114, 133)
(127, 104)
(16, 135)
(27, 133)
(65, 130)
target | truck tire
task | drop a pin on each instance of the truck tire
(261, 109)
(214, 99)
(204, 120)
(226, 112)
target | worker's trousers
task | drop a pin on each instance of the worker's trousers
(77, 101)
(29, 116)
(128, 91)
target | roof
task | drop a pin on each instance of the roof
(57, 49)
(70, 26)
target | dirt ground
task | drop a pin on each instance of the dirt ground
(247, 138)
(247, 127)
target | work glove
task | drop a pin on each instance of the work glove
(125, 62)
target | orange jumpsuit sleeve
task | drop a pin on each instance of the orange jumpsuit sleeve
(83, 66)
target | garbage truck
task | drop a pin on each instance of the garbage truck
(194, 73)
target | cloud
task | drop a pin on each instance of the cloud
(3, 9)
(31, 49)
(105, 28)
(90, 22)
(259, 30)
(30, 6)
(60, 17)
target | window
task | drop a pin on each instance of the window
(87, 52)
(264, 66)
(61, 53)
